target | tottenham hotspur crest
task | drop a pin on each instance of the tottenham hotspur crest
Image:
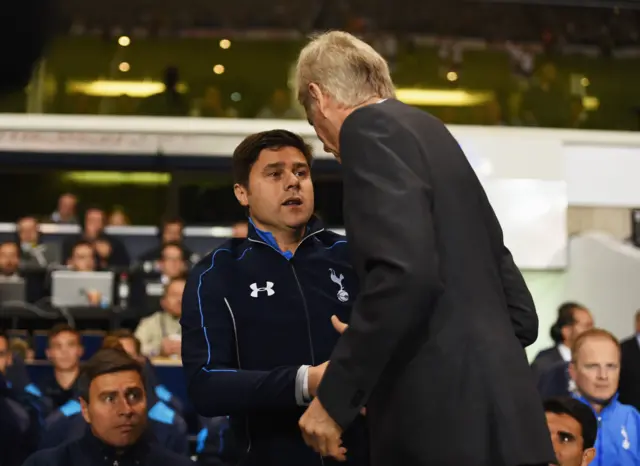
(342, 294)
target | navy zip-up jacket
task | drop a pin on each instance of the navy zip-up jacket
(251, 316)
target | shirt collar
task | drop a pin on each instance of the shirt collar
(137, 451)
(314, 225)
(565, 352)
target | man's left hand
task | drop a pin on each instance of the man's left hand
(321, 432)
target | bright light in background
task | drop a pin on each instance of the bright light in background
(443, 98)
(218, 69)
(452, 76)
(584, 82)
(139, 89)
(124, 67)
(225, 44)
(236, 97)
(118, 178)
(124, 41)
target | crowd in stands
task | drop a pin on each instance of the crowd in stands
(53, 381)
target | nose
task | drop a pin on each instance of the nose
(291, 181)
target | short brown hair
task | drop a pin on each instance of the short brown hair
(112, 339)
(249, 150)
(105, 361)
(62, 328)
(592, 333)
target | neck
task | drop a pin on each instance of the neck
(66, 378)
(287, 239)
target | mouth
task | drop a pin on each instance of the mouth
(126, 428)
(292, 202)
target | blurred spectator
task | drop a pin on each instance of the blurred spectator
(240, 230)
(171, 232)
(595, 368)
(83, 258)
(630, 369)
(169, 102)
(33, 253)
(573, 319)
(211, 105)
(547, 102)
(21, 349)
(9, 259)
(64, 350)
(66, 212)
(279, 107)
(113, 401)
(118, 218)
(573, 428)
(93, 228)
(160, 333)
(104, 251)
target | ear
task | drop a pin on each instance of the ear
(81, 351)
(84, 406)
(587, 456)
(241, 194)
(565, 332)
(317, 97)
(48, 353)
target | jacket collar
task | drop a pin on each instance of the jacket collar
(256, 235)
(134, 453)
(606, 409)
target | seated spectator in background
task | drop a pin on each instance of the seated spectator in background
(279, 107)
(64, 352)
(595, 369)
(66, 212)
(215, 444)
(123, 338)
(9, 260)
(21, 349)
(240, 230)
(93, 228)
(118, 218)
(82, 257)
(33, 253)
(14, 425)
(573, 428)
(630, 368)
(103, 251)
(211, 105)
(160, 333)
(19, 389)
(147, 289)
(113, 403)
(170, 102)
(573, 319)
(171, 232)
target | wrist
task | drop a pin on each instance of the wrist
(314, 380)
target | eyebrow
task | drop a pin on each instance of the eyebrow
(280, 165)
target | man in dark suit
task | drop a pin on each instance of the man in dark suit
(435, 344)
(573, 319)
(629, 390)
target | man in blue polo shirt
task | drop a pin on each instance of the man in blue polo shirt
(595, 369)
(256, 312)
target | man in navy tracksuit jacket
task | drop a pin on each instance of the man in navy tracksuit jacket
(257, 312)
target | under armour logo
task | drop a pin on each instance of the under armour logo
(255, 289)
(625, 443)
(342, 294)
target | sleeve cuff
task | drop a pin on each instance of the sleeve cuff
(339, 397)
(302, 386)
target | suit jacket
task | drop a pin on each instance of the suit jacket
(554, 381)
(629, 390)
(435, 347)
(546, 359)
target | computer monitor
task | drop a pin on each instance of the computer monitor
(12, 290)
(73, 289)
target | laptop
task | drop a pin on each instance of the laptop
(13, 290)
(71, 289)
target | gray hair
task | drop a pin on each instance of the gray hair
(349, 70)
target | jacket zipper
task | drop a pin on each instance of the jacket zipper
(304, 299)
